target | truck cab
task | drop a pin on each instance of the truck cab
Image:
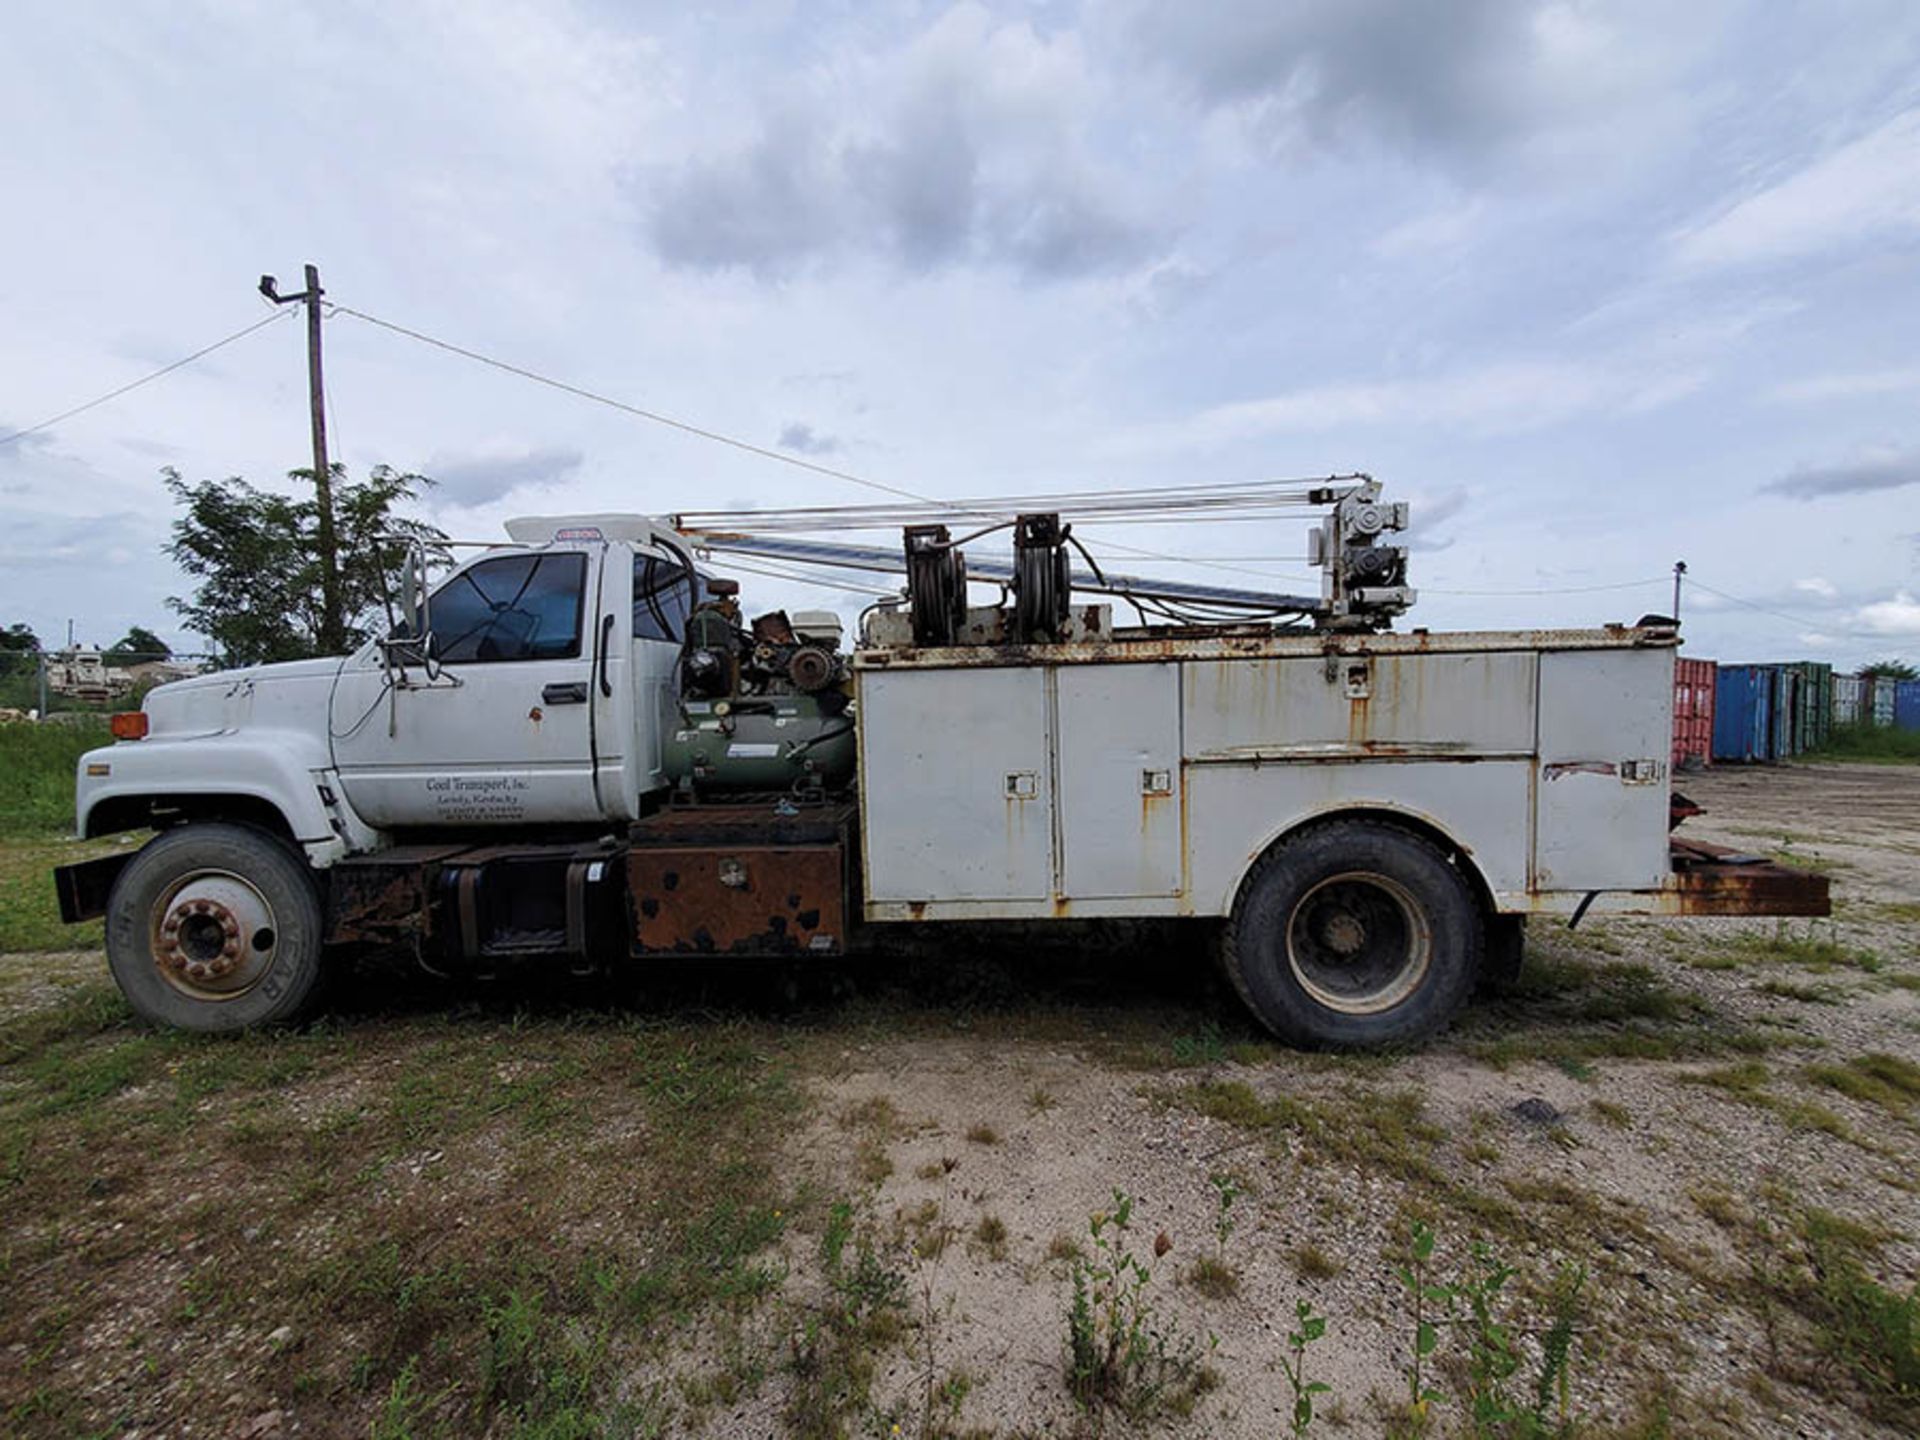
(538, 695)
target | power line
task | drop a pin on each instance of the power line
(1553, 589)
(718, 437)
(655, 416)
(1805, 620)
(143, 380)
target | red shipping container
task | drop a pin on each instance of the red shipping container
(1694, 682)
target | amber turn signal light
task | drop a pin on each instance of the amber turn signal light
(129, 725)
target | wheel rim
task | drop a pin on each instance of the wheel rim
(1359, 943)
(214, 935)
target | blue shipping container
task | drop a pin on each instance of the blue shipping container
(1786, 704)
(1906, 705)
(1743, 713)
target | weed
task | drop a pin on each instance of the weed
(833, 1348)
(1311, 1262)
(981, 1133)
(992, 1233)
(1205, 1048)
(1118, 1355)
(1476, 1307)
(1226, 1189)
(1610, 1113)
(1426, 1333)
(1214, 1278)
(1040, 1100)
(1293, 1365)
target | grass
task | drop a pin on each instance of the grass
(1877, 744)
(36, 818)
(1888, 1081)
(1805, 994)
(1571, 1011)
(29, 911)
(476, 1223)
(1821, 954)
(37, 765)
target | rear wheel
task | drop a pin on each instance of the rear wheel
(1354, 933)
(215, 927)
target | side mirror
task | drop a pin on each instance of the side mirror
(413, 592)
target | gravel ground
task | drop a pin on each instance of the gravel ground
(1668, 1109)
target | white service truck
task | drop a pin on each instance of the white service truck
(576, 751)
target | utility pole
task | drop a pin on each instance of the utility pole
(332, 636)
(1679, 569)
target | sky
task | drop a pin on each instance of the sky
(1595, 286)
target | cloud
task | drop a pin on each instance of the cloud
(1817, 585)
(1846, 386)
(1898, 616)
(1428, 518)
(476, 479)
(1499, 398)
(1462, 79)
(1885, 470)
(14, 450)
(802, 437)
(1864, 191)
(969, 145)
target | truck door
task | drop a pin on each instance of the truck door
(504, 734)
(634, 687)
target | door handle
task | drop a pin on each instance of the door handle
(573, 692)
(606, 635)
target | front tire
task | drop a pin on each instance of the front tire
(1354, 934)
(215, 927)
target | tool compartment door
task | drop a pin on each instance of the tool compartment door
(1117, 752)
(954, 784)
(1606, 723)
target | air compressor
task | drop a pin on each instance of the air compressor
(762, 708)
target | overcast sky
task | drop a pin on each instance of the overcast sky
(1596, 286)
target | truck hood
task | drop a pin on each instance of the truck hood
(289, 694)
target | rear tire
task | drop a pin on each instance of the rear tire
(215, 927)
(1354, 934)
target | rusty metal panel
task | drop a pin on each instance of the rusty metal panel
(1361, 704)
(1118, 752)
(739, 899)
(1712, 880)
(956, 785)
(383, 896)
(1216, 642)
(1606, 735)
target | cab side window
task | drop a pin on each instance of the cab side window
(663, 597)
(514, 607)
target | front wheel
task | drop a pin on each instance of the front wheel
(215, 927)
(1354, 934)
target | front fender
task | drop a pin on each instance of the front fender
(283, 769)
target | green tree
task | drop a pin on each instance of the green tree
(256, 561)
(1890, 670)
(139, 643)
(17, 644)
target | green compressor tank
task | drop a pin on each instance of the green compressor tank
(761, 743)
